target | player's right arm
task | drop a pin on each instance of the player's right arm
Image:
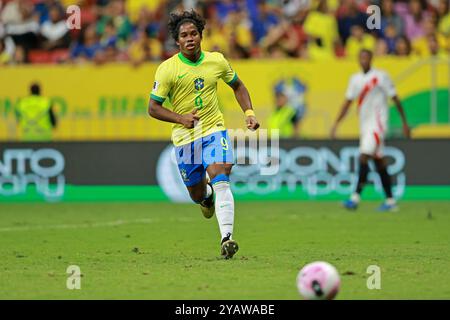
(240, 92)
(161, 89)
(344, 109)
(350, 95)
(157, 111)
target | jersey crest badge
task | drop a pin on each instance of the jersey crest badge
(199, 83)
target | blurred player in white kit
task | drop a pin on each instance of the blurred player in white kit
(372, 89)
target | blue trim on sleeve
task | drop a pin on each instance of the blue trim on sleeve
(233, 80)
(156, 98)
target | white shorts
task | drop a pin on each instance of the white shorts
(372, 144)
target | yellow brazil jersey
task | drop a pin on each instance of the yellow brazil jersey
(190, 85)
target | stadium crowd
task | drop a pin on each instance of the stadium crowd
(135, 31)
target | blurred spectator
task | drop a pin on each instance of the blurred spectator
(224, 8)
(20, 56)
(148, 21)
(136, 7)
(42, 8)
(402, 46)
(435, 49)
(21, 23)
(443, 17)
(287, 39)
(444, 22)
(7, 49)
(54, 31)
(264, 19)
(275, 51)
(421, 45)
(144, 49)
(283, 116)
(108, 54)
(109, 36)
(5, 57)
(389, 18)
(415, 19)
(291, 8)
(237, 29)
(89, 47)
(115, 11)
(11, 13)
(214, 37)
(321, 28)
(237, 50)
(390, 38)
(349, 15)
(381, 48)
(359, 40)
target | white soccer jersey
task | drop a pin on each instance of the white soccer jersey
(372, 91)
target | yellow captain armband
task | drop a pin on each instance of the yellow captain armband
(249, 113)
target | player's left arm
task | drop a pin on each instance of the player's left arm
(243, 98)
(401, 111)
(388, 86)
(240, 91)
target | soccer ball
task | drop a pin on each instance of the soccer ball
(318, 281)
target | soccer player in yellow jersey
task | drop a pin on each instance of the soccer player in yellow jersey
(189, 80)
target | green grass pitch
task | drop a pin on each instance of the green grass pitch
(169, 251)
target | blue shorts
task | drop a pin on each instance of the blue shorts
(193, 158)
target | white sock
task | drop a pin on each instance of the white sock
(390, 201)
(355, 197)
(208, 191)
(224, 208)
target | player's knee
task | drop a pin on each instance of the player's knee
(380, 165)
(223, 170)
(364, 159)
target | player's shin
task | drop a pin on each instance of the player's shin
(385, 181)
(362, 180)
(224, 205)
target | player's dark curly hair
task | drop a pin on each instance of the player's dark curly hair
(177, 19)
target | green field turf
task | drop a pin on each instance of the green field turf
(168, 251)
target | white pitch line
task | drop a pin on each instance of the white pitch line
(78, 226)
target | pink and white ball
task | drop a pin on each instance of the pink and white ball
(318, 281)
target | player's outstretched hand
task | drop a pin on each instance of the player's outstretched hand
(333, 132)
(252, 123)
(189, 120)
(406, 131)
